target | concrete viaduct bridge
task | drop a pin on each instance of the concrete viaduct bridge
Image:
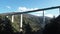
(17, 13)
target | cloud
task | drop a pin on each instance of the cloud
(9, 7)
(22, 9)
(49, 15)
(39, 13)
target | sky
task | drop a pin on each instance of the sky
(26, 5)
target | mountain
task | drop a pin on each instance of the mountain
(36, 22)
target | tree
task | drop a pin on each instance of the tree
(53, 27)
(5, 26)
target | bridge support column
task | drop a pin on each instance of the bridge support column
(12, 18)
(59, 11)
(7, 16)
(43, 20)
(21, 21)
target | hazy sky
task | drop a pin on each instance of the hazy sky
(18, 5)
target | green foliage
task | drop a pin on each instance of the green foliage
(34, 22)
(5, 25)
